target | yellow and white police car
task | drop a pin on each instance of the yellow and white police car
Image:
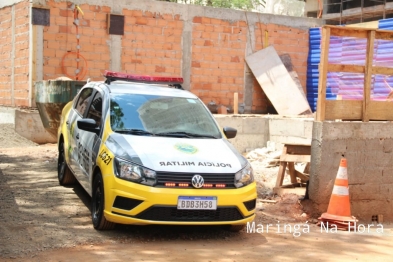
(149, 154)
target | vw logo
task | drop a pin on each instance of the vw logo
(197, 181)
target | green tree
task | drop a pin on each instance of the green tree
(236, 4)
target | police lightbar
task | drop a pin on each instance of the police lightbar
(113, 76)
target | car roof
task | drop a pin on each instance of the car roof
(125, 87)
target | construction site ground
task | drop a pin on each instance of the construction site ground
(42, 221)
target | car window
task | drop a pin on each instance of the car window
(95, 110)
(160, 114)
(83, 100)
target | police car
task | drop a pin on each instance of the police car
(148, 152)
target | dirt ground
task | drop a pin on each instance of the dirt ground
(42, 221)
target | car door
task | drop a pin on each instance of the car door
(79, 110)
(88, 142)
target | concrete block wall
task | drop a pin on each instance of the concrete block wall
(204, 45)
(368, 148)
(252, 130)
(290, 130)
(14, 55)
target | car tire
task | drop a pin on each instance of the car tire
(236, 228)
(64, 174)
(98, 204)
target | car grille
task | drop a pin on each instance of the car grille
(162, 213)
(185, 178)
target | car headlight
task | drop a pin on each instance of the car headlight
(244, 176)
(134, 173)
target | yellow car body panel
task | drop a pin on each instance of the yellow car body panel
(62, 131)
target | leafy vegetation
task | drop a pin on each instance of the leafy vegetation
(235, 4)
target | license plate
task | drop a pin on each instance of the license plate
(197, 203)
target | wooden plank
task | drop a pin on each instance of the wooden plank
(323, 66)
(298, 149)
(368, 75)
(348, 32)
(295, 158)
(384, 35)
(235, 103)
(344, 109)
(302, 176)
(346, 68)
(277, 83)
(381, 110)
(377, 70)
(281, 173)
(291, 168)
(281, 169)
(369, 25)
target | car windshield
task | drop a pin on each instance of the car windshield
(140, 114)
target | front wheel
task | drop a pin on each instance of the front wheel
(98, 204)
(64, 174)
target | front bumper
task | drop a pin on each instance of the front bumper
(131, 203)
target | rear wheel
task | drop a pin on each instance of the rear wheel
(98, 204)
(64, 174)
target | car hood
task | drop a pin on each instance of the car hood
(170, 154)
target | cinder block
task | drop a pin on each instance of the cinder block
(290, 127)
(255, 125)
(364, 210)
(387, 145)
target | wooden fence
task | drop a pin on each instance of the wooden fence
(365, 109)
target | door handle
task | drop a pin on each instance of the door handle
(77, 136)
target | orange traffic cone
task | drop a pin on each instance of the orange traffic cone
(339, 206)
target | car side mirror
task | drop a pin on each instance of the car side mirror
(229, 132)
(88, 124)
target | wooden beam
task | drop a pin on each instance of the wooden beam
(384, 35)
(349, 32)
(368, 74)
(323, 66)
(302, 176)
(298, 149)
(381, 110)
(377, 70)
(346, 68)
(344, 109)
(281, 170)
(291, 168)
(281, 174)
(295, 158)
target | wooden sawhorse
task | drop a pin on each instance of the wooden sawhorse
(292, 153)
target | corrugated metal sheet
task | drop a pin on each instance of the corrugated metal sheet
(347, 50)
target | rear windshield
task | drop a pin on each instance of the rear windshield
(161, 114)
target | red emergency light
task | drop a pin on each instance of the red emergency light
(113, 76)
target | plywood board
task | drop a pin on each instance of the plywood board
(277, 83)
(343, 109)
